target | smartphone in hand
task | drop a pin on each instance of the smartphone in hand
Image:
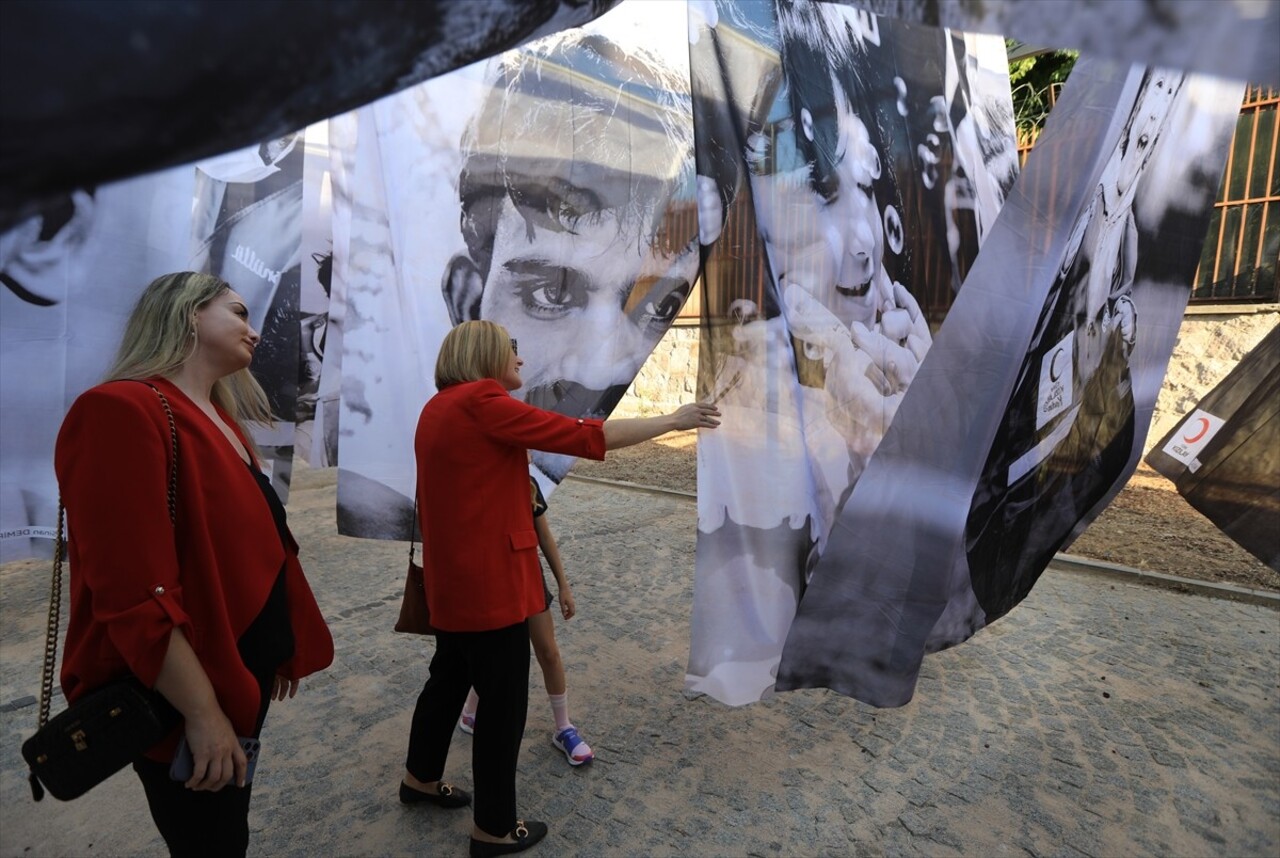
(184, 764)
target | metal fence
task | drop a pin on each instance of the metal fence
(1242, 243)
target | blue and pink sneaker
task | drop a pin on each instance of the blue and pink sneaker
(576, 751)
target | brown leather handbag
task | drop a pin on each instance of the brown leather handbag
(415, 616)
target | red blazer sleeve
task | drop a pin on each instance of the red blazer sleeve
(513, 422)
(112, 461)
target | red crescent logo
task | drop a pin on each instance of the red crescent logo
(1054, 373)
(1204, 427)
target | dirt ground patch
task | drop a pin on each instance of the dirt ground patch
(1148, 526)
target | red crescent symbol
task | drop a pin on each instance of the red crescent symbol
(1204, 427)
(1054, 374)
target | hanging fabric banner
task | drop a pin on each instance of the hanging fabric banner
(1224, 457)
(314, 288)
(849, 167)
(70, 279)
(72, 276)
(1235, 40)
(1031, 411)
(246, 227)
(343, 134)
(550, 190)
(96, 92)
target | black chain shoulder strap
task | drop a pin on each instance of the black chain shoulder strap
(173, 455)
(413, 526)
(59, 550)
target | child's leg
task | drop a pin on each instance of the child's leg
(542, 633)
(467, 723)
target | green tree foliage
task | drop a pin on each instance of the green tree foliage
(1035, 81)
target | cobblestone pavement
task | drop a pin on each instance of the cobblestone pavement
(1099, 718)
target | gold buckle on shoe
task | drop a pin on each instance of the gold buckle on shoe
(521, 832)
(445, 788)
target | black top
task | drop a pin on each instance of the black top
(539, 502)
(268, 642)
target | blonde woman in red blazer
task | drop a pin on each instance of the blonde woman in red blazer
(212, 611)
(482, 576)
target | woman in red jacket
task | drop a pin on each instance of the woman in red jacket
(482, 576)
(212, 610)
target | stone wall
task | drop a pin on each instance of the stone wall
(668, 379)
(1209, 346)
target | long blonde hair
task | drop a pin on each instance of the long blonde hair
(160, 337)
(472, 351)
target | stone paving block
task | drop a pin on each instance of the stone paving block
(1149, 801)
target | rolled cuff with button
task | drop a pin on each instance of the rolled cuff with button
(141, 633)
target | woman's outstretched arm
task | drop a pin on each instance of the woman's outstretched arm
(625, 431)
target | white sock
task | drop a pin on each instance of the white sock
(469, 708)
(560, 710)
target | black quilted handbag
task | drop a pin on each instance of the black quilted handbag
(108, 728)
(96, 737)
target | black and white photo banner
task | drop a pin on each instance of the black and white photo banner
(1031, 410)
(1224, 456)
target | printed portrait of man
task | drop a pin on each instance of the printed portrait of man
(578, 213)
(573, 224)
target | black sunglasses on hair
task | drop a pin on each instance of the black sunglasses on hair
(514, 350)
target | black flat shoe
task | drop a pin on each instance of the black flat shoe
(449, 796)
(526, 834)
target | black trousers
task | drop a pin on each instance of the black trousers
(196, 824)
(201, 824)
(496, 663)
